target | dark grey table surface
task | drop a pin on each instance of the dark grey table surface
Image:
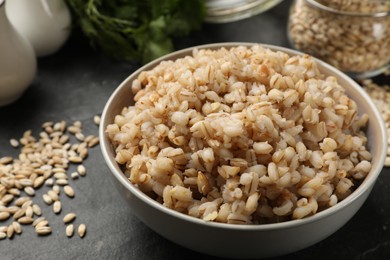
(74, 84)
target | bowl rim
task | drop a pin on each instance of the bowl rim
(360, 191)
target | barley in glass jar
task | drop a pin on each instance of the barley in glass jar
(352, 35)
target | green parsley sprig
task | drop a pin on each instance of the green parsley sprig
(137, 30)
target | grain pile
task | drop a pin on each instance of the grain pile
(352, 43)
(241, 136)
(43, 161)
(381, 97)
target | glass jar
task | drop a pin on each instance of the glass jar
(221, 11)
(352, 35)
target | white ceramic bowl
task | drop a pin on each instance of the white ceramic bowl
(245, 241)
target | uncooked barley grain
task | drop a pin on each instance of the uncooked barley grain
(27, 204)
(7, 199)
(10, 231)
(77, 124)
(29, 191)
(62, 182)
(17, 227)
(36, 209)
(88, 139)
(42, 223)
(69, 217)
(26, 220)
(93, 142)
(47, 124)
(4, 215)
(29, 212)
(74, 175)
(96, 120)
(82, 230)
(14, 143)
(47, 199)
(13, 209)
(69, 230)
(6, 160)
(37, 221)
(26, 182)
(57, 189)
(81, 170)
(69, 191)
(74, 129)
(60, 175)
(53, 195)
(38, 182)
(14, 191)
(57, 207)
(39, 160)
(80, 136)
(57, 170)
(43, 231)
(18, 214)
(75, 159)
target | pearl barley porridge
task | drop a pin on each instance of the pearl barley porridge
(243, 135)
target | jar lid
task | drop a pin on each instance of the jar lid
(221, 11)
(374, 8)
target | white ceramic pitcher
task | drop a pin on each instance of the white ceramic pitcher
(45, 23)
(17, 61)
